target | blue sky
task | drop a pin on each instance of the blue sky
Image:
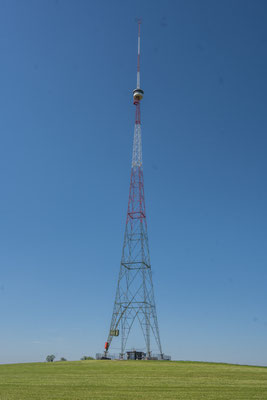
(68, 69)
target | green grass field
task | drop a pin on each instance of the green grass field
(132, 380)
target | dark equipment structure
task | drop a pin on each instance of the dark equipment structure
(135, 355)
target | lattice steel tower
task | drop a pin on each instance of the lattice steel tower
(135, 296)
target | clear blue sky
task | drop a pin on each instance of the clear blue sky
(67, 71)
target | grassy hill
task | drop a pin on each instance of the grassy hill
(129, 380)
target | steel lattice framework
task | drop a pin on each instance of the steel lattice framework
(134, 299)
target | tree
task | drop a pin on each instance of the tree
(63, 359)
(87, 358)
(50, 358)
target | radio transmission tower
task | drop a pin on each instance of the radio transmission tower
(134, 299)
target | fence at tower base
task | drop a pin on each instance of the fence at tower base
(132, 355)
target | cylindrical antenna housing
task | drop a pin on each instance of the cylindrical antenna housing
(138, 93)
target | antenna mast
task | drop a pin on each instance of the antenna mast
(138, 55)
